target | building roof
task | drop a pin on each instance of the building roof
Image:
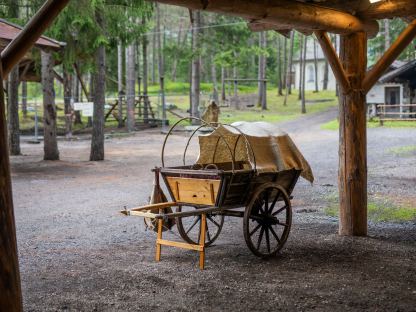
(9, 31)
(27, 66)
(406, 72)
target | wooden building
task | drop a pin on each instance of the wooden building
(354, 20)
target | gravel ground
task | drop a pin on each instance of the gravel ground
(78, 254)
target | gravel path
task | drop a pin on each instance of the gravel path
(78, 254)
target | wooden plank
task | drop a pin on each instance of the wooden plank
(155, 206)
(195, 191)
(401, 43)
(143, 214)
(333, 60)
(284, 12)
(24, 41)
(202, 241)
(397, 119)
(389, 9)
(397, 105)
(159, 238)
(353, 139)
(10, 289)
(179, 245)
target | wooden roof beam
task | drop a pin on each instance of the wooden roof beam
(17, 49)
(401, 43)
(292, 14)
(283, 30)
(333, 60)
(389, 9)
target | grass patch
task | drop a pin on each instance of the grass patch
(333, 125)
(404, 150)
(378, 211)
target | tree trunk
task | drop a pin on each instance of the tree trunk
(175, 56)
(24, 99)
(223, 93)
(130, 86)
(315, 59)
(326, 75)
(290, 63)
(97, 141)
(67, 103)
(214, 79)
(262, 71)
(78, 120)
(161, 64)
(13, 111)
(196, 62)
(120, 84)
(285, 63)
(279, 67)
(387, 39)
(303, 100)
(301, 67)
(50, 146)
(154, 56)
(145, 76)
(10, 289)
(353, 139)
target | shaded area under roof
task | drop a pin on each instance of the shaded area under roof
(406, 72)
(27, 66)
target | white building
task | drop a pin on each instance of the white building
(310, 69)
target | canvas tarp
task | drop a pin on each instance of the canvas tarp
(273, 149)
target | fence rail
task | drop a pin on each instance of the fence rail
(396, 112)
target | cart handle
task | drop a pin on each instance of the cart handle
(204, 124)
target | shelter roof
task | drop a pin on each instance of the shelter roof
(27, 68)
(402, 73)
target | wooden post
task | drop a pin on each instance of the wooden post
(202, 241)
(159, 236)
(10, 291)
(353, 138)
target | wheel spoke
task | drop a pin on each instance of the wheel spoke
(274, 234)
(260, 204)
(260, 238)
(255, 230)
(193, 224)
(282, 224)
(213, 221)
(208, 235)
(267, 239)
(266, 202)
(279, 211)
(275, 200)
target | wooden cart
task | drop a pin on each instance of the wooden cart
(204, 194)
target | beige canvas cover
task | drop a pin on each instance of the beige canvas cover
(273, 149)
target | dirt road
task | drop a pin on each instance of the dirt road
(78, 254)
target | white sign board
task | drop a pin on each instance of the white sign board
(86, 108)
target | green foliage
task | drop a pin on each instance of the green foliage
(375, 123)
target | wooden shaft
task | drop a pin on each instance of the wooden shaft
(389, 9)
(353, 139)
(284, 12)
(24, 41)
(390, 56)
(333, 60)
(10, 290)
(159, 237)
(202, 241)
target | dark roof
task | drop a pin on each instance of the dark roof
(8, 31)
(405, 72)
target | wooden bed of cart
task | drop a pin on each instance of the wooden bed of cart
(204, 194)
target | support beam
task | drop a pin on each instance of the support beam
(333, 60)
(353, 139)
(401, 43)
(389, 9)
(16, 49)
(284, 12)
(10, 291)
(83, 86)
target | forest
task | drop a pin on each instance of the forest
(161, 63)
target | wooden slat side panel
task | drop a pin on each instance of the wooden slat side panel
(194, 191)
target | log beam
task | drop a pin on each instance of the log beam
(353, 139)
(19, 46)
(283, 12)
(10, 291)
(333, 60)
(401, 43)
(389, 9)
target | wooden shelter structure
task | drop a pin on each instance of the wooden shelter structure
(27, 65)
(354, 20)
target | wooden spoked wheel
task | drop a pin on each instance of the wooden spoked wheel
(189, 227)
(267, 220)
